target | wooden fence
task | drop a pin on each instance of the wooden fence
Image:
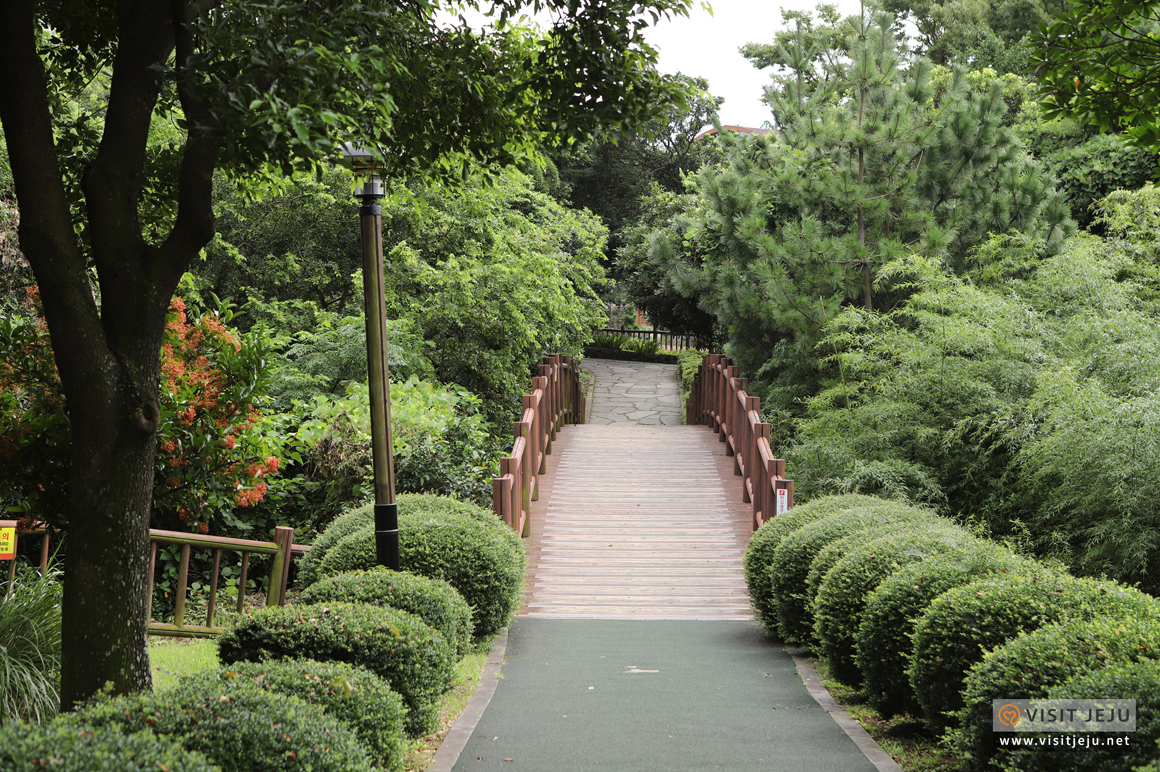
(666, 340)
(282, 548)
(556, 399)
(718, 399)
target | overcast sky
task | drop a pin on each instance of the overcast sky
(706, 46)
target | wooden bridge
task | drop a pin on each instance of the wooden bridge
(633, 521)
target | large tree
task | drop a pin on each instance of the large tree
(251, 86)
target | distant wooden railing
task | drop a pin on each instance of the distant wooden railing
(718, 399)
(669, 341)
(555, 400)
(282, 548)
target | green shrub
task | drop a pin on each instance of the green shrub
(688, 364)
(964, 622)
(641, 345)
(609, 340)
(240, 727)
(478, 555)
(30, 647)
(415, 659)
(832, 554)
(1138, 680)
(765, 541)
(73, 748)
(352, 694)
(362, 517)
(791, 563)
(1027, 667)
(842, 596)
(434, 600)
(884, 644)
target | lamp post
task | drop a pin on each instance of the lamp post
(369, 191)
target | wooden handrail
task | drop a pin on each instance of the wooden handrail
(719, 399)
(556, 399)
(282, 548)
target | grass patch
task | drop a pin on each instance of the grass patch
(904, 737)
(172, 658)
(422, 750)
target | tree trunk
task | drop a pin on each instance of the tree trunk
(104, 626)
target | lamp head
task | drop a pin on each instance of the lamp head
(365, 166)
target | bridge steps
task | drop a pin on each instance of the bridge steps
(636, 522)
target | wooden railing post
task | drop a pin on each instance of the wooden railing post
(280, 570)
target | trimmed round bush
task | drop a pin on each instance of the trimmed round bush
(399, 647)
(790, 568)
(362, 518)
(884, 642)
(842, 597)
(832, 554)
(964, 622)
(352, 694)
(1138, 680)
(240, 727)
(66, 746)
(477, 554)
(434, 600)
(1028, 666)
(765, 541)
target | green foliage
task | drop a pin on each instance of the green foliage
(688, 364)
(238, 726)
(790, 567)
(1138, 680)
(30, 647)
(1030, 665)
(1103, 164)
(764, 542)
(355, 519)
(435, 601)
(399, 647)
(68, 747)
(478, 555)
(641, 345)
(353, 695)
(884, 644)
(1098, 63)
(965, 622)
(874, 164)
(609, 340)
(841, 600)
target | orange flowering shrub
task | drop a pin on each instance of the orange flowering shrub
(211, 458)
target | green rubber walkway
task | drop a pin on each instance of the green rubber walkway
(639, 696)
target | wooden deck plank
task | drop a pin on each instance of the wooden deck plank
(637, 522)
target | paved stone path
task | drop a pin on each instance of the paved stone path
(634, 393)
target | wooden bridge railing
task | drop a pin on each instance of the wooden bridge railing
(282, 548)
(667, 340)
(555, 400)
(718, 399)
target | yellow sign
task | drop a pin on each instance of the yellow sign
(7, 543)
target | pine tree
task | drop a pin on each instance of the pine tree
(868, 167)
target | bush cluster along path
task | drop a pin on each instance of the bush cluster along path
(636, 648)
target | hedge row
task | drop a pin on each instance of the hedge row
(414, 658)
(935, 622)
(441, 538)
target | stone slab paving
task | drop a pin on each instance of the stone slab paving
(634, 393)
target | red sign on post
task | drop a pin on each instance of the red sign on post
(782, 501)
(7, 543)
